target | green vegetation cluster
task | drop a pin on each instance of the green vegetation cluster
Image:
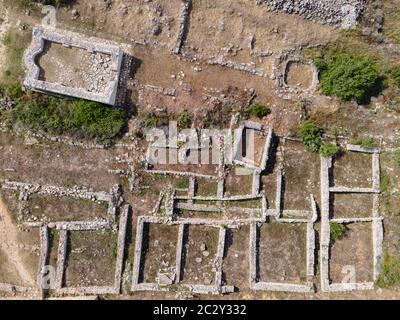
(348, 76)
(79, 118)
(257, 110)
(184, 120)
(312, 139)
(366, 143)
(397, 157)
(32, 3)
(337, 230)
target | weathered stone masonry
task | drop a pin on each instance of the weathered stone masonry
(68, 39)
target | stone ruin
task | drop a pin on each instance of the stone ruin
(344, 13)
(277, 214)
(375, 219)
(65, 227)
(217, 288)
(103, 66)
(174, 200)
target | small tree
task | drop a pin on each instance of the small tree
(349, 77)
(390, 271)
(311, 136)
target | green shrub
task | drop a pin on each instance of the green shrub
(329, 150)
(257, 110)
(96, 120)
(79, 118)
(184, 120)
(321, 65)
(349, 77)
(311, 136)
(367, 143)
(155, 120)
(395, 73)
(337, 230)
(397, 157)
(390, 271)
(31, 3)
(14, 91)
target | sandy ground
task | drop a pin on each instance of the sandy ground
(9, 245)
(4, 25)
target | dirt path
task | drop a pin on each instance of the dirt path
(4, 25)
(9, 245)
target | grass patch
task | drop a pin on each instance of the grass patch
(397, 157)
(366, 143)
(182, 184)
(15, 42)
(385, 183)
(184, 120)
(257, 110)
(390, 271)
(153, 120)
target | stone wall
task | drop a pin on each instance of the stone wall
(337, 13)
(32, 80)
(375, 219)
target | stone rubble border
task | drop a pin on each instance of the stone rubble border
(69, 39)
(217, 288)
(376, 220)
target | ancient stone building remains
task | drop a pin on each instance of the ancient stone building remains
(113, 198)
(374, 218)
(95, 77)
(174, 200)
(343, 13)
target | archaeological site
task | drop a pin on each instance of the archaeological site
(200, 149)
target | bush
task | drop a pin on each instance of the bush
(329, 150)
(390, 271)
(397, 157)
(321, 65)
(14, 92)
(349, 77)
(311, 136)
(150, 122)
(184, 120)
(257, 110)
(337, 230)
(156, 120)
(367, 143)
(80, 118)
(96, 120)
(15, 42)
